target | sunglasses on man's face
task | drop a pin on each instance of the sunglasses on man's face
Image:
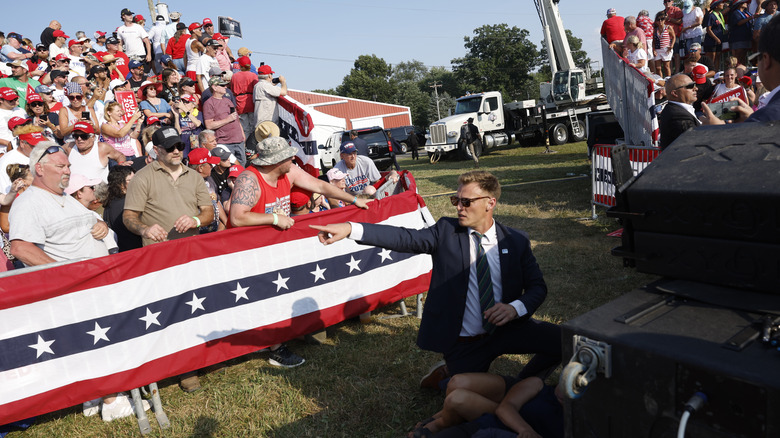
(82, 136)
(690, 86)
(465, 202)
(178, 146)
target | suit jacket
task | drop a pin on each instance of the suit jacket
(769, 113)
(448, 244)
(673, 122)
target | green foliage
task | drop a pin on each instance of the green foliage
(369, 80)
(412, 71)
(499, 58)
(446, 105)
(331, 91)
(408, 94)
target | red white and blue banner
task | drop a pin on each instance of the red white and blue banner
(76, 332)
(296, 125)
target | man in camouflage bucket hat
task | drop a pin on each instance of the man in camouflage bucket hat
(261, 196)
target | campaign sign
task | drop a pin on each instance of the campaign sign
(229, 27)
(127, 100)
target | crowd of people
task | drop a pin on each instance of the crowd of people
(162, 130)
(702, 59)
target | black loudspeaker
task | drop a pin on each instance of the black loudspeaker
(708, 208)
(662, 346)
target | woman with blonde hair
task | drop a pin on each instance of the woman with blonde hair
(122, 136)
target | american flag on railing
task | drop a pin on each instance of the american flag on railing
(75, 332)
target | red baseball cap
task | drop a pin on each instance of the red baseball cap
(151, 120)
(746, 81)
(298, 199)
(699, 74)
(244, 61)
(207, 21)
(59, 33)
(194, 26)
(72, 43)
(84, 127)
(61, 57)
(265, 70)
(32, 137)
(7, 93)
(34, 97)
(219, 36)
(138, 18)
(13, 122)
(235, 170)
(188, 98)
(201, 156)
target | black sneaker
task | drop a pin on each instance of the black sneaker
(283, 357)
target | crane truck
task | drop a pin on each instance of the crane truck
(560, 113)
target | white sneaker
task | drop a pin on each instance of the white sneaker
(91, 407)
(122, 407)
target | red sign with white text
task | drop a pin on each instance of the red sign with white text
(127, 100)
(725, 97)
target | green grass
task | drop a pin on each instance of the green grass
(363, 382)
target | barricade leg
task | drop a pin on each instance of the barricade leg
(159, 413)
(143, 421)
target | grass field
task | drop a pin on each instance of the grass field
(363, 382)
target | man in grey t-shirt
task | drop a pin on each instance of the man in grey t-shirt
(266, 94)
(361, 171)
(46, 224)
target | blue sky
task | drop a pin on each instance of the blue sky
(314, 43)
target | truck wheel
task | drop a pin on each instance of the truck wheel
(583, 135)
(404, 147)
(559, 134)
(465, 153)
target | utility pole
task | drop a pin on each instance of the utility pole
(435, 87)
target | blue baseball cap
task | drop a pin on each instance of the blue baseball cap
(347, 148)
(135, 64)
(164, 59)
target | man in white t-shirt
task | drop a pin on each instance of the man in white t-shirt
(205, 63)
(77, 66)
(361, 171)
(134, 38)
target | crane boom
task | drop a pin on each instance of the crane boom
(554, 35)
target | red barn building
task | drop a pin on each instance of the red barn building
(357, 112)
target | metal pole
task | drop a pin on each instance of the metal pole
(152, 11)
(435, 87)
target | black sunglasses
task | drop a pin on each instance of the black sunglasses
(690, 86)
(178, 146)
(465, 202)
(50, 150)
(82, 136)
(76, 97)
(34, 104)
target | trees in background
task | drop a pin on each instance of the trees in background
(498, 57)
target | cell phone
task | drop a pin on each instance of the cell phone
(722, 110)
(86, 115)
(232, 110)
(275, 80)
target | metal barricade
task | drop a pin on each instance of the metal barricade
(603, 186)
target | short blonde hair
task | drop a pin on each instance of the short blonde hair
(485, 180)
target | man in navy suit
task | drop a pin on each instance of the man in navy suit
(769, 72)
(454, 322)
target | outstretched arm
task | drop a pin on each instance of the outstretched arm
(332, 233)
